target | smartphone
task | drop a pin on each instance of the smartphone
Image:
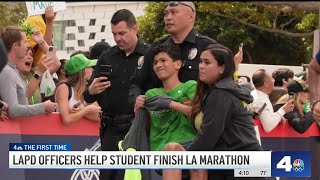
(291, 96)
(240, 46)
(106, 70)
(77, 104)
(52, 51)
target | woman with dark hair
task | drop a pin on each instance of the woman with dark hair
(277, 93)
(219, 113)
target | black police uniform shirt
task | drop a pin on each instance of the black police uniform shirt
(191, 48)
(114, 100)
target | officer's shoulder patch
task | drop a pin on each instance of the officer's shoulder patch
(140, 62)
(192, 53)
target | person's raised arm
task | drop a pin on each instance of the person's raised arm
(314, 85)
(39, 39)
(34, 83)
(49, 18)
(54, 63)
(269, 119)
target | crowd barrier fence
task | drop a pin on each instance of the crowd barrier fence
(84, 135)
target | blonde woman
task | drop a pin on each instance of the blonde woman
(298, 119)
(69, 93)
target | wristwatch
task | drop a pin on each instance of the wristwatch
(37, 76)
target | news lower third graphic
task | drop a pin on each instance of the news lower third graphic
(39, 147)
(244, 163)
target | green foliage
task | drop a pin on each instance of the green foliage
(151, 25)
(12, 13)
(27, 28)
(308, 22)
(231, 23)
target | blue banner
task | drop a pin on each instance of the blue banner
(291, 164)
(39, 147)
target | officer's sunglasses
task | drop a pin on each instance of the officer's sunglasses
(176, 3)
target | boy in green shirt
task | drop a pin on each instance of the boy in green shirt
(170, 123)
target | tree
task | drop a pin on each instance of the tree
(12, 13)
(151, 25)
(270, 36)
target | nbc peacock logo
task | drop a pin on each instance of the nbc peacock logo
(298, 165)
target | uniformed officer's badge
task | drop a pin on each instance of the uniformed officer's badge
(140, 62)
(192, 53)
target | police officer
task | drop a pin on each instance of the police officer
(179, 22)
(110, 82)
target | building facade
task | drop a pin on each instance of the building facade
(85, 23)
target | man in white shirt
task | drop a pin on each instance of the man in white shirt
(264, 84)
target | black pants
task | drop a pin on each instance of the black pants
(109, 142)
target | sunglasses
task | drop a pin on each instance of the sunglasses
(176, 3)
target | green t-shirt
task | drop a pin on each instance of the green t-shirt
(168, 125)
(306, 107)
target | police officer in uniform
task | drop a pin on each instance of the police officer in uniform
(179, 22)
(110, 82)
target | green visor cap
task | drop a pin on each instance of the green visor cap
(77, 63)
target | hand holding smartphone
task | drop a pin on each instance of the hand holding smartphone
(77, 104)
(291, 96)
(240, 46)
(52, 51)
(105, 70)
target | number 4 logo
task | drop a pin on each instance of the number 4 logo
(285, 163)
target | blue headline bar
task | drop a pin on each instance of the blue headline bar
(39, 147)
